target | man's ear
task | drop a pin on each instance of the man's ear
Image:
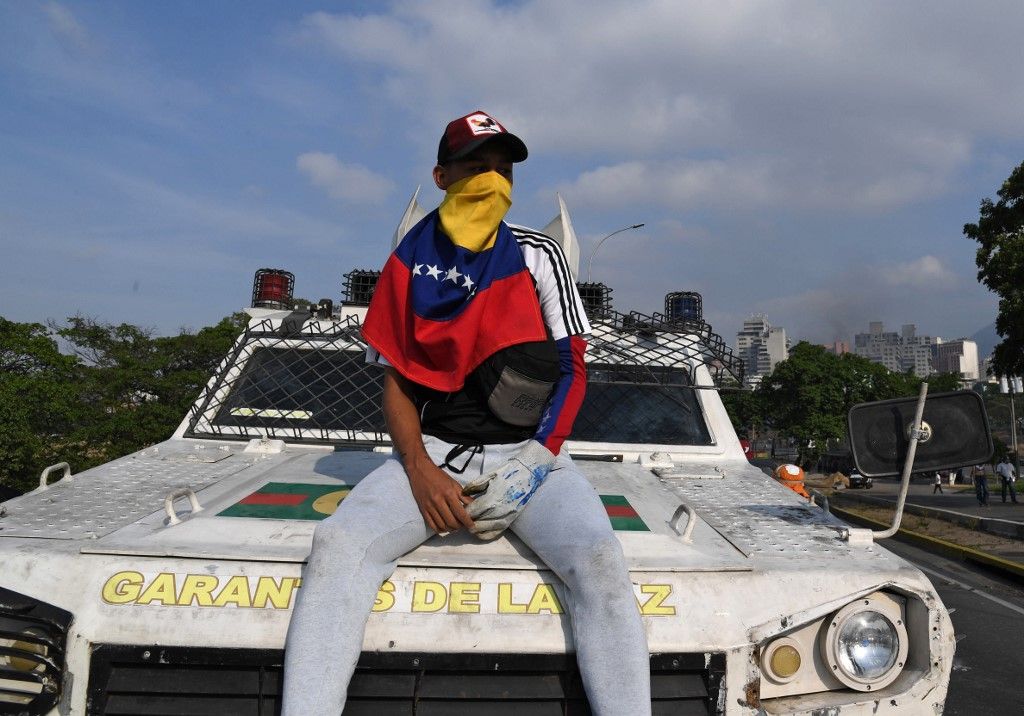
(440, 177)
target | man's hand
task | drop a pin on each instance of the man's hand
(439, 497)
(503, 492)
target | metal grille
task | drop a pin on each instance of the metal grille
(359, 285)
(684, 305)
(272, 288)
(310, 382)
(33, 638)
(597, 299)
(301, 383)
(164, 680)
(640, 344)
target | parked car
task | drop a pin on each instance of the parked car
(859, 481)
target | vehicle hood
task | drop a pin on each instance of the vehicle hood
(262, 505)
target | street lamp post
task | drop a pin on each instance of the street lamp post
(590, 264)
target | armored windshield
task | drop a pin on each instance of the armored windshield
(312, 384)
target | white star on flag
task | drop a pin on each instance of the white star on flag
(453, 274)
(434, 272)
(416, 270)
(468, 283)
(544, 419)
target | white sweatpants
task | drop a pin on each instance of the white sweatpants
(356, 549)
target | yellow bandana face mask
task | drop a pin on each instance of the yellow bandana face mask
(472, 209)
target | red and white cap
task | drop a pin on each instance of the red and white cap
(466, 134)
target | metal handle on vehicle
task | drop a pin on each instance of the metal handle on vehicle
(690, 523)
(172, 518)
(46, 473)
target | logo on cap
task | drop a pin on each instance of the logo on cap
(482, 124)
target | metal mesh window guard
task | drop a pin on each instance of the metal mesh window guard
(311, 383)
(639, 344)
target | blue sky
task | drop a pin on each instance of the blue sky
(815, 161)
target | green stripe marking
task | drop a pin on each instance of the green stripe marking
(297, 501)
(280, 501)
(622, 515)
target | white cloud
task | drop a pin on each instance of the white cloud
(925, 272)
(791, 104)
(66, 25)
(348, 182)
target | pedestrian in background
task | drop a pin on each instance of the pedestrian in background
(938, 484)
(1006, 479)
(980, 484)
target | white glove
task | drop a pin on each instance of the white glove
(502, 493)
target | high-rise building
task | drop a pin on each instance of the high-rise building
(959, 356)
(899, 352)
(761, 346)
(837, 347)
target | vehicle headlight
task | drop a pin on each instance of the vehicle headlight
(865, 644)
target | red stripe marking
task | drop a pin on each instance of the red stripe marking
(270, 498)
(620, 511)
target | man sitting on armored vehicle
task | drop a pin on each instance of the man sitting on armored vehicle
(480, 329)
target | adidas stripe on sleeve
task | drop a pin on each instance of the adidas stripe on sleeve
(559, 300)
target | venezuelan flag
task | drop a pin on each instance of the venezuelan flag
(440, 309)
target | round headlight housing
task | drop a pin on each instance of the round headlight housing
(782, 660)
(865, 644)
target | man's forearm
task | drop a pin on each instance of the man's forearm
(438, 496)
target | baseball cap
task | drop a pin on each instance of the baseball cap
(465, 134)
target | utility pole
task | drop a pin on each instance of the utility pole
(1013, 426)
(1012, 386)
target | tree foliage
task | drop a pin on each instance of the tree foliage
(38, 398)
(808, 395)
(114, 390)
(1000, 259)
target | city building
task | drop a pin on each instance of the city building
(987, 374)
(959, 356)
(898, 352)
(761, 346)
(837, 347)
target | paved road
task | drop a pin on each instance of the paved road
(955, 498)
(988, 617)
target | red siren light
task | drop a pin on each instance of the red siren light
(272, 288)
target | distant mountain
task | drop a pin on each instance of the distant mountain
(986, 338)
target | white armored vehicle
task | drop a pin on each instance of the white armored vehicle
(163, 582)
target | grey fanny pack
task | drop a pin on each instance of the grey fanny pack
(502, 401)
(518, 381)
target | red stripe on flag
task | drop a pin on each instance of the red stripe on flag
(620, 511)
(269, 498)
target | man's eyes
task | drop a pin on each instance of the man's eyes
(484, 168)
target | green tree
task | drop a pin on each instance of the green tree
(40, 402)
(808, 395)
(119, 390)
(745, 411)
(137, 386)
(943, 383)
(1000, 260)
